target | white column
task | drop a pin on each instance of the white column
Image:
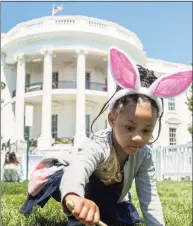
(111, 84)
(3, 126)
(3, 79)
(20, 91)
(45, 140)
(80, 98)
(2, 64)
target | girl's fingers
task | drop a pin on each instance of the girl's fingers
(84, 212)
(90, 217)
(78, 208)
(70, 205)
(96, 217)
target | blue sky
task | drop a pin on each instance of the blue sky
(164, 28)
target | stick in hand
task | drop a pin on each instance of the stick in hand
(70, 206)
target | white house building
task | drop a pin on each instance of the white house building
(58, 64)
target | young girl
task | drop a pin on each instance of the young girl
(97, 176)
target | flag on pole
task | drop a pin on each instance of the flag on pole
(56, 9)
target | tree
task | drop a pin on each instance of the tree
(190, 107)
(2, 85)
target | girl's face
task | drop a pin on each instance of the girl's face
(132, 125)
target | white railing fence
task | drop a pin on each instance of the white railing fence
(173, 162)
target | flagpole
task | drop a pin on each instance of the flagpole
(53, 10)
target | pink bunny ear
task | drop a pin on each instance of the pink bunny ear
(124, 71)
(172, 85)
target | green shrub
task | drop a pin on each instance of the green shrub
(63, 142)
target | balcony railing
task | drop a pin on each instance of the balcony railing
(31, 87)
(71, 23)
(96, 86)
(63, 85)
(34, 87)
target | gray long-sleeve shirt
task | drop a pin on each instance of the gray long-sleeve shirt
(92, 155)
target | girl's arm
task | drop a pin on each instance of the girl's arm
(147, 192)
(84, 162)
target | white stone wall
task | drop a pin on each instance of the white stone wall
(179, 119)
(7, 113)
(36, 128)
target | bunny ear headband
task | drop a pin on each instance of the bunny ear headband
(126, 75)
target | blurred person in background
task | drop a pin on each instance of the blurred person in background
(12, 171)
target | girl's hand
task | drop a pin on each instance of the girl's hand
(85, 210)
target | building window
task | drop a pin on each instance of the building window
(171, 104)
(54, 126)
(105, 124)
(25, 130)
(87, 81)
(55, 77)
(172, 136)
(27, 79)
(87, 121)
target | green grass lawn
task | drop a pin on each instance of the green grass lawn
(176, 198)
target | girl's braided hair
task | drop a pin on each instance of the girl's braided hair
(147, 77)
